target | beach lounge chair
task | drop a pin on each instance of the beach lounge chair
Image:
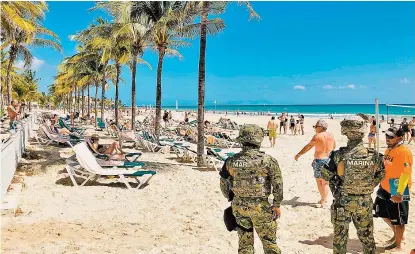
(89, 163)
(131, 157)
(217, 156)
(46, 138)
(62, 124)
(184, 153)
(101, 125)
(149, 143)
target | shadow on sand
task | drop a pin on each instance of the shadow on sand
(294, 203)
(354, 246)
(66, 181)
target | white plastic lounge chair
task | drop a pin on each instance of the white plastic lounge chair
(87, 160)
(46, 138)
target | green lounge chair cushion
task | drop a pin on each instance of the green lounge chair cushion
(134, 163)
(141, 173)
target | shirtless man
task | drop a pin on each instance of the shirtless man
(13, 111)
(272, 130)
(324, 143)
(372, 134)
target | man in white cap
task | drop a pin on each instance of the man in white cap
(324, 143)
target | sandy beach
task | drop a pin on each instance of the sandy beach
(180, 211)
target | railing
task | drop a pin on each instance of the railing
(11, 151)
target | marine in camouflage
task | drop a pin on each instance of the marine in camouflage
(252, 176)
(352, 188)
(251, 134)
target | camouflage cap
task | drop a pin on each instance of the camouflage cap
(353, 124)
(251, 134)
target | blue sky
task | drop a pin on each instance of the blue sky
(298, 53)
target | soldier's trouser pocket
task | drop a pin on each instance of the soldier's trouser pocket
(338, 214)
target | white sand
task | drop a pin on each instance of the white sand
(180, 211)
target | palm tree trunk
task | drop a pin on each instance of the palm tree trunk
(158, 92)
(12, 58)
(133, 73)
(201, 88)
(95, 104)
(74, 98)
(78, 99)
(117, 80)
(82, 101)
(103, 100)
(89, 103)
(70, 102)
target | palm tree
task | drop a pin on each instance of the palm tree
(204, 8)
(114, 48)
(165, 20)
(136, 30)
(31, 92)
(94, 50)
(18, 41)
(21, 15)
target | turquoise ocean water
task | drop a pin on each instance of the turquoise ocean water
(335, 109)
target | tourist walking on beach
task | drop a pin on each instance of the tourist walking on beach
(353, 172)
(302, 124)
(324, 144)
(13, 111)
(405, 128)
(292, 125)
(272, 131)
(390, 204)
(165, 118)
(186, 117)
(372, 134)
(283, 123)
(297, 127)
(412, 128)
(246, 180)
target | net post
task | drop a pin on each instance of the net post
(377, 124)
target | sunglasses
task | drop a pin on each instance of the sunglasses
(315, 126)
(389, 136)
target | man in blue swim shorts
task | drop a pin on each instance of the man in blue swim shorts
(324, 144)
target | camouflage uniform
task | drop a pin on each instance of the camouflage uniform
(352, 189)
(249, 175)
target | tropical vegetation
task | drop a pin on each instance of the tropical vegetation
(106, 47)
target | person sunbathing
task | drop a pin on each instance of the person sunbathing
(114, 150)
(53, 127)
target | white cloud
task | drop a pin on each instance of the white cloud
(299, 87)
(351, 86)
(405, 81)
(363, 87)
(19, 64)
(328, 87)
(36, 64)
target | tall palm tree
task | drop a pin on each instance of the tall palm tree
(114, 48)
(165, 20)
(96, 50)
(204, 8)
(137, 31)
